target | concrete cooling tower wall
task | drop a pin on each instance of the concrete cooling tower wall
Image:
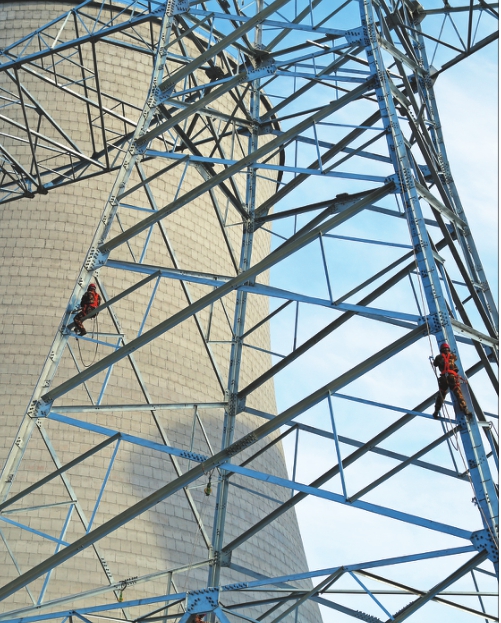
(44, 241)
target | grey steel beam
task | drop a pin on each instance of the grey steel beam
(474, 48)
(139, 407)
(58, 472)
(403, 464)
(439, 597)
(438, 588)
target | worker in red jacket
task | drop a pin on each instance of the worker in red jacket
(448, 379)
(90, 300)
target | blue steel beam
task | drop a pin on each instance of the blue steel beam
(271, 292)
(340, 499)
(263, 582)
(39, 533)
(102, 430)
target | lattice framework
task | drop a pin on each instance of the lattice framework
(348, 105)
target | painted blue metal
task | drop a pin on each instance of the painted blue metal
(148, 308)
(105, 480)
(61, 537)
(101, 430)
(265, 166)
(340, 499)
(248, 586)
(338, 450)
(386, 406)
(265, 290)
(44, 535)
(357, 579)
(107, 378)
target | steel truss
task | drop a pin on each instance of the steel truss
(349, 132)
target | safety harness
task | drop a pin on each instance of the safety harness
(447, 365)
(93, 300)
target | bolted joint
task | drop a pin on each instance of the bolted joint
(416, 11)
(95, 259)
(139, 148)
(214, 73)
(241, 444)
(357, 36)
(265, 128)
(204, 600)
(249, 226)
(395, 179)
(176, 7)
(193, 456)
(154, 97)
(232, 400)
(369, 618)
(39, 408)
(265, 67)
(221, 559)
(483, 541)
(437, 321)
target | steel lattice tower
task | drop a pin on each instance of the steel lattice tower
(284, 173)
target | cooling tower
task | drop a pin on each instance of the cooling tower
(45, 240)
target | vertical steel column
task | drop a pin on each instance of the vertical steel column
(441, 323)
(238, 327)
(465, 237)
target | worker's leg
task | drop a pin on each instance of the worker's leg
(78, 322)
(455, 388)
(443, 387)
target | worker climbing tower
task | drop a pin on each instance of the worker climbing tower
(261, 193)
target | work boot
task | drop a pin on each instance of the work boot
(83, 332)
(435, 414)
(464, 408)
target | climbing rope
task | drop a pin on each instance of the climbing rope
(198, 532)
(448, 420)
(96, 331)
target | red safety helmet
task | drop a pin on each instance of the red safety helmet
(445, 346)
(92, 286)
